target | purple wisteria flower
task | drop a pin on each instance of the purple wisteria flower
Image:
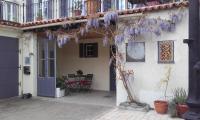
(174, 18)
(93, 22)
(49, 34)
(164, 25)
(151, 21)
(172, 27)
(157, 31)
(119, 39)
(110, 16)
(62, 39)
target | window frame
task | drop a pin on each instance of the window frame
(86, 52)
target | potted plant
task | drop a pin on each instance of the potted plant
(180, 97)
(39, 15)
(60, 87)
(77, 8)
(161, 106)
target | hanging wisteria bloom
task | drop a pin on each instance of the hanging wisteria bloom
(49, 34)
(62, 39)
(105, 40)
(157, 31)
(176, 17)
(92, 22)
(110, 16)
(151, 21)
(172, 27)
(164, 25)
(119, 39)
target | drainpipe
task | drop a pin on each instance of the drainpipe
(193, 42)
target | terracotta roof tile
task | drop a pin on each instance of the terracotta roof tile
(9, 23)
(123, 12)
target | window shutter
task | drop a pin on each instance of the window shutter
(95, 49)
(81, 50)
(117, 5)
(29, 10)
(106, 5)
(63, 8)
(1, 11)
(50, 9)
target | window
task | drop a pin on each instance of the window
(88, 50)
(135, 52)
(9, 11)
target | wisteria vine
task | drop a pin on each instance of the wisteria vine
(138, 27)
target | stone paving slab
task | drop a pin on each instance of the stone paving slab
(39, 109)
(121, 114)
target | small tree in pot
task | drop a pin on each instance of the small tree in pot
(161, 106)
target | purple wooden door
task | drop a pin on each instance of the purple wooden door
(8, 67)
(46, 83)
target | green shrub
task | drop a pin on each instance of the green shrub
(180, 96)
(60, 83)
(172, 109)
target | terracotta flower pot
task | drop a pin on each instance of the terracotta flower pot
(161, 107)
(181, 109)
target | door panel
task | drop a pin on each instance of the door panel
(46, 65)
(46, 87)
(8, 67)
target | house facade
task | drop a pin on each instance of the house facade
(23, 26)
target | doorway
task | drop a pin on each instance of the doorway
(112, 69)
(46, 84)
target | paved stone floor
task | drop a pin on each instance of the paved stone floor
(81, 106)
(120, 114)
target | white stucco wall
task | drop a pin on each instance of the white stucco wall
(148, 74)
(68, 62)
(29, 49)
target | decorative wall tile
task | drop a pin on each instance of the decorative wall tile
(166, 51)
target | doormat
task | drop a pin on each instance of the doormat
(135, 106)
(27, 96)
